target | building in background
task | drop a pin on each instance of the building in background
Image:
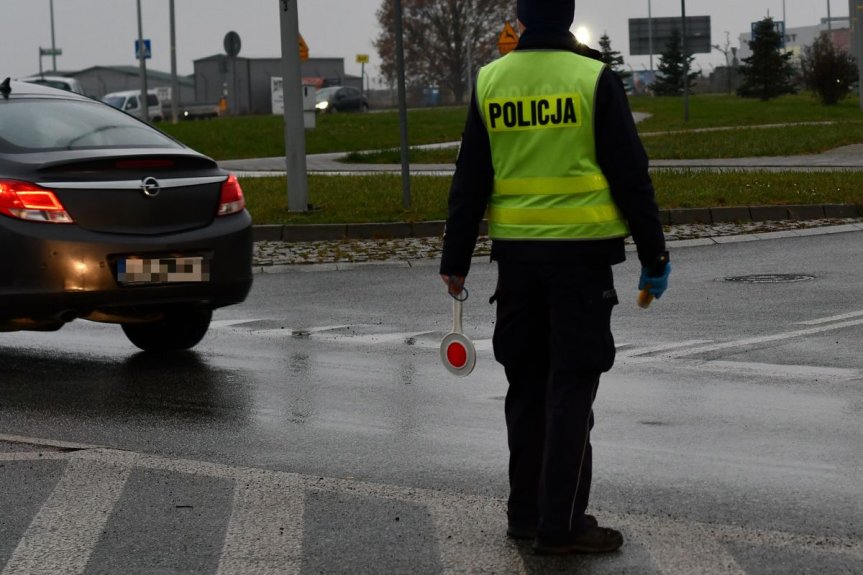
(244, 83)
(798, 38)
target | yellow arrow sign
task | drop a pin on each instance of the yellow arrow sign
(508, 39)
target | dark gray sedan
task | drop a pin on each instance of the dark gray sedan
(103, 217)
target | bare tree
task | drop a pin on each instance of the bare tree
(440, 38)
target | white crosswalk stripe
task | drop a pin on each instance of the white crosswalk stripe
(63, 534)
(264, 534)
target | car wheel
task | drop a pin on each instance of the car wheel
(176, 331)
(364, 108)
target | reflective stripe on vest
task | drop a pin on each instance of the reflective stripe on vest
(538, 110)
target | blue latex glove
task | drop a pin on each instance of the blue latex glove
(655, 285)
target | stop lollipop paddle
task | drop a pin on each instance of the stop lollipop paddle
(457, 351)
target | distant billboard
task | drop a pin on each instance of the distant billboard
(697, 34)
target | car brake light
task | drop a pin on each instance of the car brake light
(231, 200)
(26, 201)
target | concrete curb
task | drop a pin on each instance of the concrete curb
(397, 230)
(673, 245)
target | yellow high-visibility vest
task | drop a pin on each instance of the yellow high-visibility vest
(537, 106)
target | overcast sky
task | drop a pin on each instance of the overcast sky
(102, 32)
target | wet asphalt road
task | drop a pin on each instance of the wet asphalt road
(314, 431)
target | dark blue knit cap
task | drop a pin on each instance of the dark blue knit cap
(546, 13)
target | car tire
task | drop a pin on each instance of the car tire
(177, 330)
(364, 108)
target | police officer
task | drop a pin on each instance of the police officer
(550, 149)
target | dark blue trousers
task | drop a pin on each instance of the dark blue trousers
(553, 337)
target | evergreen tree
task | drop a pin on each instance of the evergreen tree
(612, 58)
(669, 81)
(828, 71)
(767, 73)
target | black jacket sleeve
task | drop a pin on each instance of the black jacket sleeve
(471, 188)
(623, 160)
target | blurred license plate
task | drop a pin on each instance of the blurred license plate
(162, 270)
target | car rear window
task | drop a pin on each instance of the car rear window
(30, 125)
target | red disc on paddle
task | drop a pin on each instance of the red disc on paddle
(456, 354)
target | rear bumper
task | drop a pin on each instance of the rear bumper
(48, 270)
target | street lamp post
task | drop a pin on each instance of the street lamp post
(175, 83)
(650, 34)
(292, 93)
(403, 110)
(685, 64)
(855, 14)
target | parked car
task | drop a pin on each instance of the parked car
(60, 82)
(340, 99)
(105, 218)
(130, 102)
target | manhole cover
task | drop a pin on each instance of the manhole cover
(770, 278)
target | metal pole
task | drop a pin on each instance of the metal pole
(469, 41)
(175, 83)
(685, 64)
(292, 90)
(53, 45)
(145, 109)
(403, 108)
(829, 21)
(856, 15)
(650, 34)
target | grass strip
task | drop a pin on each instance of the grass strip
(240, 137)
(715, 110)
(378, 197)
(738, 142)
(753, 142)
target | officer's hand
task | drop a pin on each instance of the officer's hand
(654, 284)
(455, 284)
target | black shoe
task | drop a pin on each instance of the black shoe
(593, 540)
(528, 530)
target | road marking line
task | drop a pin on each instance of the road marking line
(467, 526)
(265, 532)
(34, 456)
(821, 320)
(753, 341)
(781, 370)
(63, 534)
(40, 442)
(637, 351)
(681, 548)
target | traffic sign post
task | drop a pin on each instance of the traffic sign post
(142, 63)
(507, 40)
(148, 53)
(362, 60)
(53, 52)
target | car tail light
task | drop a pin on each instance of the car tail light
(231, 200)
(26, 201)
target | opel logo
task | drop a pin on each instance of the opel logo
(150, 186)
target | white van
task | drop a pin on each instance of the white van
(61, 82)
(130, 102)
